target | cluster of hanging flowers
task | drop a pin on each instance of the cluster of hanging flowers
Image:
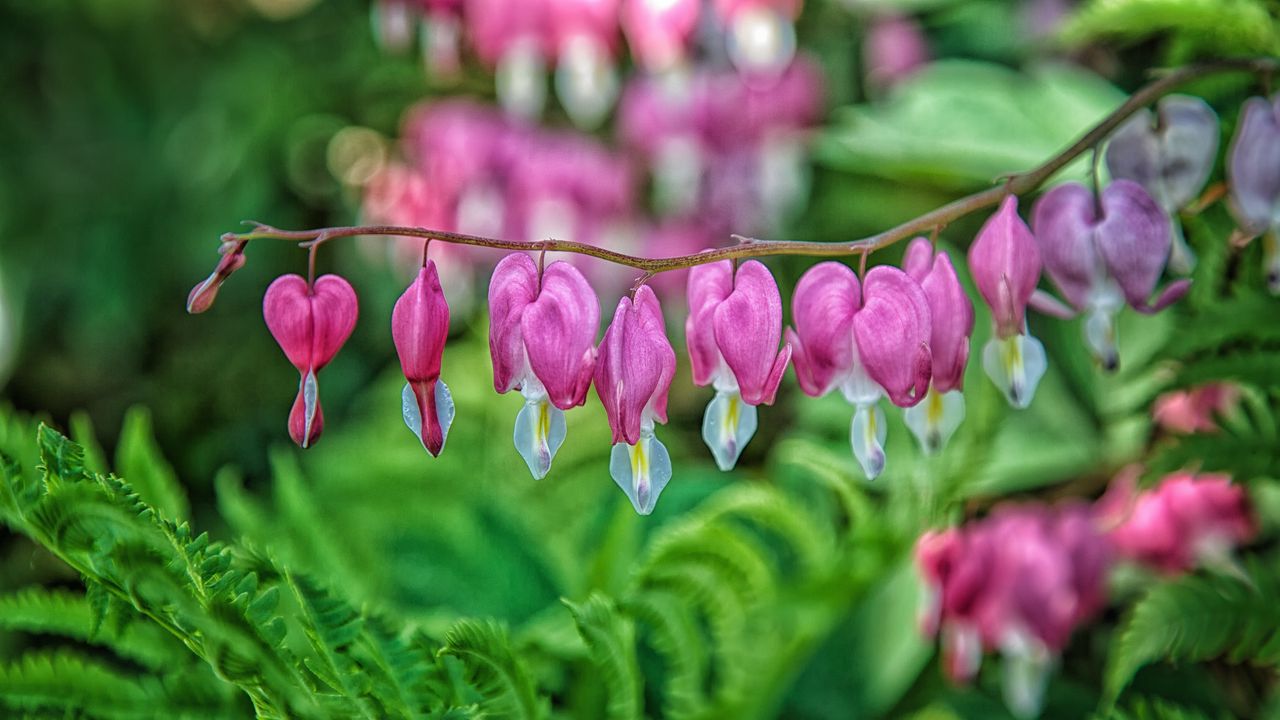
(1022, 579)
(896, 334)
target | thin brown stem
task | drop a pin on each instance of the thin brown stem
(746, 247)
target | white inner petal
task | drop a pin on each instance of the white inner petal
(586, 81)
(1027, 664)
(935, 419)
(727, 426)
(539, 433)
(1015, 365)
(520, 79)
(867, 435)
(641, 470)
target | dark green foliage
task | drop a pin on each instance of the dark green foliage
(1198, 618)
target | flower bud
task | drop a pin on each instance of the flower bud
(632, 376)
(419, 328)
(733, 329)
(1005, 265)
(310, 323)
(202, 296)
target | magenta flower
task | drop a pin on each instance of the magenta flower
(1020, 581)
(867, 341)
(935, 420)
(1195, 410)
(542, 336)
(585, 37)
(310, 323)
(419, 327)
(894, 48)
(514, 39)
(1005, 264)
(1103, 253)
(633, 374)
(1253, 173)
(1185, 521)
(760, 34)
(733, 329)
(1170, 155)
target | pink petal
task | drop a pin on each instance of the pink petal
(635, 366)
(559, 330)
(748, 326)
(1133, 237)
(310, 324)
(951, 317)
(334, 308)
(1253, 166)
(1065, 222)
(917, 261)
(419, 327)
(823, 307)
(708, 286)
(1005, 265)
(512, 288)
(298, 422)
(892, 331)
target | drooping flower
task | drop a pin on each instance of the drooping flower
(585, 38)
(660, 31)
(1195, 410)
(1186, 521)
(1253, 173)
(733, 329)
(202, 296)
(1170, 155)
(1103, 253)
(513, 39)
(310, 323)
(760, 34)
(1005, 264)
(542, 335)
(867, 341)
(633, 375)
(419, 327)
(951, 313)
(1019, 582)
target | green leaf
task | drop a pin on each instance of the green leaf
(961, 124)
(138, 458)
(1204, 27)
(1198, 618)
(611, 640)
(494, 669)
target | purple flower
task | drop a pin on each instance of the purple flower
(1005, 265)
(419, 327)
(1170, 156)
(733, 329)
(1253, 173)
(867, 341)
(937, 418)
(1103, 253)
(542, 336)
(310, 323)
(633, 374)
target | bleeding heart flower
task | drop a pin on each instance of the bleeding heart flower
(733, 329)
(1185, 521)
(937, 418)
(1105, 252)
(660, 31)
(310, 323)
(542, 336)
(1195, 410)
(1005, 265)
(633, 374)
(1170, 155)
(419, 327)
(585, 37)
(867, 341)
(1253, 173)
(760, 34)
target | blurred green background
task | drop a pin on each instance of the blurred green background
(135, 132)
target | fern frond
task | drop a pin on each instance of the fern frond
(611, 640)
(494, 669)
(138, 458)
(1198, 618)
(675, 635)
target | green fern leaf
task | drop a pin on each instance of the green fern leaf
(494, 669)
(610, 639)
(1198, 618)
(138, 458)
(332, 626)
(1214, 27)
(676, 637)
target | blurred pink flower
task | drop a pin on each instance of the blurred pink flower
(893, 49)
(659, 31)
(1195, 410)
(1185, 521)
